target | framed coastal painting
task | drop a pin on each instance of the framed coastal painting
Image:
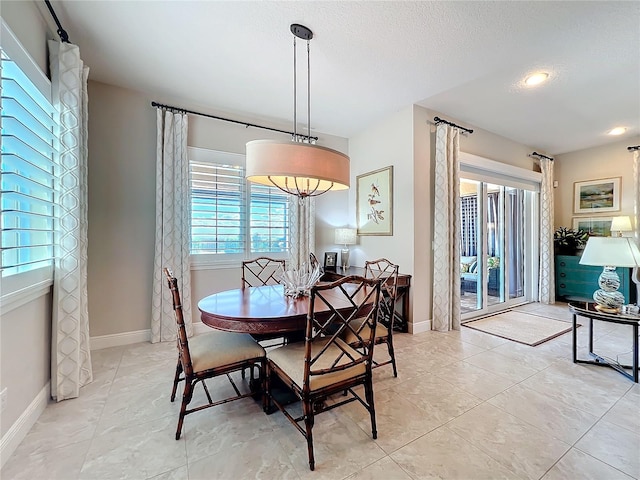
(595, 196)
(374, 202)
(594, 226)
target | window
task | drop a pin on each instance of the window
(27, 178)
(232, 219)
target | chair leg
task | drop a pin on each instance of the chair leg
(368, 392)
(186, 398)
(307, 408)
(393, 356)
(176, 379)
(266, 387)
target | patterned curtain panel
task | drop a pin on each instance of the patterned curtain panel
(302, 230)
(636, 186)
(446, 231)
(70, 350)
(547, 286)
(173, 224)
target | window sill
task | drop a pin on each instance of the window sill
(22, 288)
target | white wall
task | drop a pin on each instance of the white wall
(613, 160)
(405, 140)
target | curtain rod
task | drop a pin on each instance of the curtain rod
(184, 110)
(440, 120)
(539, 155)
(631, 149)
(64, 36)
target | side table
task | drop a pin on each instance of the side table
(587, 310)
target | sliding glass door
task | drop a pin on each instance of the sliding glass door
(494, 265)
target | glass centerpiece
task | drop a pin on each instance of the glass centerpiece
(298, 281)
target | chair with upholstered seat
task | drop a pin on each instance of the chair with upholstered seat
(387, 272)
(324, 364)
(262, 271)
(209, 355)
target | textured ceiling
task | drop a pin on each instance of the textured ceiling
(369, 59)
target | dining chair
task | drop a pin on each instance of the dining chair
(313, 261)
(262, 271)
(324, 364)
(210, 355)
(387, 272)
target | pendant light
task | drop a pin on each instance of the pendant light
(298, 167)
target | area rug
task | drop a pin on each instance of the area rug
(520, 327)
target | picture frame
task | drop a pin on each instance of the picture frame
(594, 226)
(602, 195)
(374, 202)
(330, 261)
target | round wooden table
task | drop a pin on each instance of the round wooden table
(256, 310)
(260, 310)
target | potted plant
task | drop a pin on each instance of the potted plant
(567, 241)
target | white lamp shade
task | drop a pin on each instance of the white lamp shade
(346, 236)
(298, 168)
(621, 224)
(611, 251)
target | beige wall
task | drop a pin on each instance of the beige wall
(122, 155)
(25, 332)
(122, 151)
(613, 160)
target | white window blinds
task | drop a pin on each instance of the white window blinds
(27, 178)
(230, 216)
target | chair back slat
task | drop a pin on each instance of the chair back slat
(387, 272)
(262, 271)
(183, 341)
(333, 308)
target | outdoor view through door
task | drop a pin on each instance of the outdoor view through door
(492, 246)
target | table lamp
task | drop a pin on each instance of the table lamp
(610, 252)
(345, 236)
(620, 224)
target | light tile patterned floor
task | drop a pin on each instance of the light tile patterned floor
(466, 405)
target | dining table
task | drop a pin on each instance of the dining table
(263, 311)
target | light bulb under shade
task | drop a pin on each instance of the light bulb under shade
(300, 169)
(621, 224)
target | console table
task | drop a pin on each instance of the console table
(587, 310)
(404, 283)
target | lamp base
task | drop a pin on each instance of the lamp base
(603, 309)
(344, 258)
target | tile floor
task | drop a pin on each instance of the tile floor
(466, 405)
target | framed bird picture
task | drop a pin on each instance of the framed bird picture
(374, 202)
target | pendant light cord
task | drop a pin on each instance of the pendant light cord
(308, 93)
(295, 93)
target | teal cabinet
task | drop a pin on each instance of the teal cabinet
(578, 282)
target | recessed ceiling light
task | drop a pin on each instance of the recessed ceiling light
(617, 131)
(536, 79)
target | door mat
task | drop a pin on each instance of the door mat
(521, 327)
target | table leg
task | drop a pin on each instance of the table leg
(635, 353)
(575, 338)
(591, 335)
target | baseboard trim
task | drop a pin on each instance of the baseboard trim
(21, 427)
(419, 327)
(127, 338)
(118, 339)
